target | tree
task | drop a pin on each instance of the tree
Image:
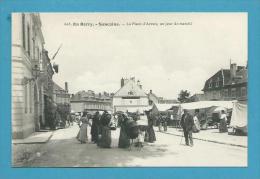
(184, 96)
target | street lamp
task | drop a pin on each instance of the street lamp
(36, 71)
(35, 75)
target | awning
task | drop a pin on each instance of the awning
(207, 104)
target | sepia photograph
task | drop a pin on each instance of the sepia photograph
(129, 89)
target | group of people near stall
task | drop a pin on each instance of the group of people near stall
(101, 126)
(131, 132)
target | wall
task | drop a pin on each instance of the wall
(229, 93)
(25, 94)
(120, 104)
(22, 108)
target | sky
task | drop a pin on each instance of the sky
(165, 58)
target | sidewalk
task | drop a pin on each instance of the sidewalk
(36, 137)
(213, 135)
(25, 150)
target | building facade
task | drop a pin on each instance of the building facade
(47, 86)
(227, 84)
(27, 67)
(130, 97)
(89, 101)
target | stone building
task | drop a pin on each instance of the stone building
(89, 101)
(227, 84)
(130, 97)
(27, 74)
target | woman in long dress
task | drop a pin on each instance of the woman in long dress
(223, 122)
(196, 126)
(83, 133)
(124, 141)
(105, 140)
(150, 134)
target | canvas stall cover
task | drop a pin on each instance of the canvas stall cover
(239, 116)
(207, 104)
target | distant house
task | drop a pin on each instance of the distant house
(197, 97)
(89, 101)
(154, 99)
(227, 84)
(60, 95)
(130, 97)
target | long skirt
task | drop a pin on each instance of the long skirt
(196, 127)
(124, 141)
(94, 133)
(223, 126)
(83, 133)
(150, 134)
(105, 140)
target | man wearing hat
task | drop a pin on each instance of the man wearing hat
(187, 125)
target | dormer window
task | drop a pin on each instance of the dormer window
(210, 83)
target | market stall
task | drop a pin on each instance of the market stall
(209, 111)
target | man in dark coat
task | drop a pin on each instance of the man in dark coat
(95, 128)
(187, 124)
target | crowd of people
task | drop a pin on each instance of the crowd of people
(130, 132)
(102, 124)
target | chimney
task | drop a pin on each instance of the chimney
(139, 84)
(122, 82)
(151, 91)
(233, 69)
(66, 87)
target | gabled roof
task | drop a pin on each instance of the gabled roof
(130, 89)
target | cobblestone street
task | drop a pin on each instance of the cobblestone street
(63, 150)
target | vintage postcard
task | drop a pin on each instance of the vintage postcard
(129, 89)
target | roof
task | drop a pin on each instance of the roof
(130, 89)
(227, 76)
(240, 77)
(224, 75)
